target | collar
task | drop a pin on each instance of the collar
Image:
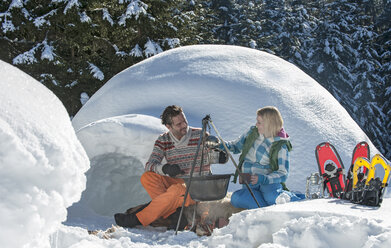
(183, 141)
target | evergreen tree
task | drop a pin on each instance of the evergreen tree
(74, 47)
(383, 24)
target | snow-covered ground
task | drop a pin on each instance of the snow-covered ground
(43, 163)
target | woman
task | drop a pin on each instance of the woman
(265, 157)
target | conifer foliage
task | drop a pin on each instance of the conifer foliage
(75, 46)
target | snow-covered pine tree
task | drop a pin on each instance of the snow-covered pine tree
(367, 69)
(74, 47)
(215, 21)
(383, 24)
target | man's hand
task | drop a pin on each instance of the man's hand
(172, 170)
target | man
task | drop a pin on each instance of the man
(178, 148)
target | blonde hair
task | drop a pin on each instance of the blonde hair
(272, 120)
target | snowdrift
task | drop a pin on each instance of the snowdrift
(42, 163)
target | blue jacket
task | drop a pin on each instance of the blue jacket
(257, 160)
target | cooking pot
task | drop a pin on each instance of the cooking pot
(208, 188)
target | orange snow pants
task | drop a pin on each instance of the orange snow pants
(167, 195)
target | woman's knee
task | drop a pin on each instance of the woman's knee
(235, 199)
(271, 193)
(243, 199)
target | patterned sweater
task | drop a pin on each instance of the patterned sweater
(257, 160)
(168, 149)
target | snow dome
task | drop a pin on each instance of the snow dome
(230, 83)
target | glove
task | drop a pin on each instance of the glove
(223, 157)
(212, 141)
(172, 170)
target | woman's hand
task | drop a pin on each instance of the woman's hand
(254, 179)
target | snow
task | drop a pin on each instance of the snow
(172, 42)
(84, 98)
(116, 162)
(84, 17)
(46, 165)
(96, 72)
(70, 4)
(27, 57)
(16, 4)
(152, 48)
(135, 8)
(8, 25)
(136, 51)
(42, 163)
(107, 16)
(47, 52)
(207, 80)
(40, 21)
(253, 44)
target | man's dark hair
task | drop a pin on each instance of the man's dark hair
(170, 112)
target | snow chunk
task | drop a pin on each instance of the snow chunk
(70, 4)
(96, 72)
(47, 52)
(27, 57)
(84, 17)
(73, 83)
(172, 42)
(107, 16)
(40, 21)
(388, 91)
(297, 225)
(136, 51)
(84, 98)
(16, 4)
(152, 48)
(135, 8)
(320, 68)
(253, 44)
(42, 164)
(172, 26)
(7, 26)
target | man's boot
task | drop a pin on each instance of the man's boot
(126, 220)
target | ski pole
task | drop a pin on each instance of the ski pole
(233, 161)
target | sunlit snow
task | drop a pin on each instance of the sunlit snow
(44, 167)
(42, 163)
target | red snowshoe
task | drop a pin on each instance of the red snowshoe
(331, 169)
(360, 150)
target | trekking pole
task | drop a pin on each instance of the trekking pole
(204, 121)
(233, 161)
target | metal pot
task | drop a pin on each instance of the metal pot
(208, 188)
